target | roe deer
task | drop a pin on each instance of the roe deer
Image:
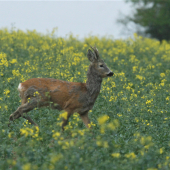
(62, 95)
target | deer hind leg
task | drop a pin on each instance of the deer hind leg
(30, 120)
(23, 101)
(24, 108)
(85, 119)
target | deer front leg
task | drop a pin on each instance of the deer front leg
(85, 119)
(65, 120)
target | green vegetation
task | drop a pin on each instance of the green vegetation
(153, 15)
(130, 119)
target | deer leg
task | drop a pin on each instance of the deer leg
(24, 109)
(85, 119)
(65, 120)
(30, 120)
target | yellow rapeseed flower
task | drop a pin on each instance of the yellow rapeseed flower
(116, 155)
(13, 61)
(56, 135)
(137, 119)
(3, 60)
(162, 74)
(16, 73)
(56, 158)
(64, 115)
(99, 143)
(10, 134)
(119, 114)
(6, 107)
(105, 144)
(130, 155)
(11, 162)
(103, 119)
(27, 166)
(161, 150)
(81, 132)
(6, 92)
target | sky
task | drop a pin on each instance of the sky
(81, 18)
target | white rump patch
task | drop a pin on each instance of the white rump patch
(20, 87)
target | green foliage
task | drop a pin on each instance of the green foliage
(153, 15)
(130, 119)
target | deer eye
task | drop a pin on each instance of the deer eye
(101, 65)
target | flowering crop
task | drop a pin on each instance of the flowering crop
(129, 121)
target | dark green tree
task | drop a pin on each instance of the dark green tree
(153, 16)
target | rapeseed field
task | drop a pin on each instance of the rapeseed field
(130, 120)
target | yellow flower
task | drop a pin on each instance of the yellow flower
(74, 134)
(16, 73)
(105, 144)
(6, 107)
(137, 119)
(64, 115)
(148, 102)
(27, 166)
(161, 150)
(111, 126)
(6, 92)
(10, 134)
(81, 132)
(137, 134)
(161, 84)
(162, 74)
(130, 155)
(26, 63)
(8, 79)
(99, 143)
(28, 132)
(103, 119)
(116, 155)
(3, 60)
(142, 152)
(142, 140)
(13, 61)
(119, 114)
(56, 135)
(91, 124)
(37, 129)
(128, 87)
(85, 45)
(102, 129)
(140, 77)
(11, 162)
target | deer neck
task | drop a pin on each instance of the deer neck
(93, 83)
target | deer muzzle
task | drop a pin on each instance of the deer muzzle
(110, 74)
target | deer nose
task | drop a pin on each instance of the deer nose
(110, 74)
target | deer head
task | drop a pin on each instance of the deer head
(98, 66)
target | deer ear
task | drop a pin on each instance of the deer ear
(91, 56)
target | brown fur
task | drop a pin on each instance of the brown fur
(69, 96)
